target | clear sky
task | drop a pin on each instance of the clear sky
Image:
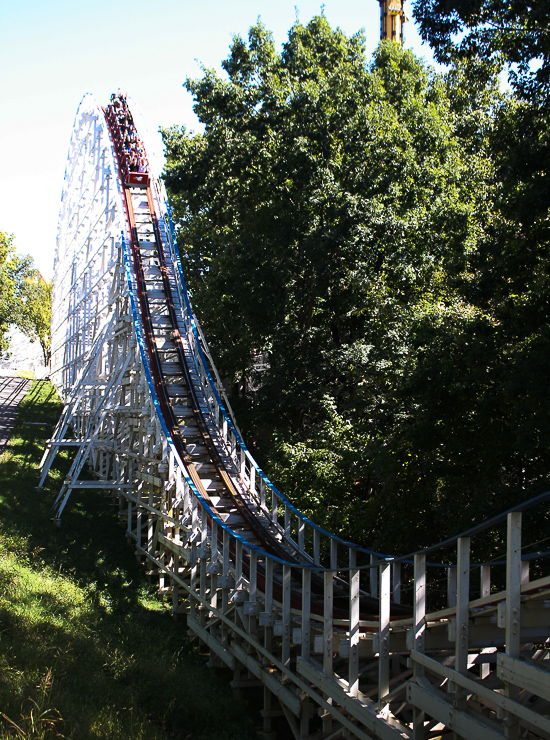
(52, 52)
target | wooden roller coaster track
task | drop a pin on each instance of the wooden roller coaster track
(344, 642)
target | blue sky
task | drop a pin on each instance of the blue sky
(54, 51)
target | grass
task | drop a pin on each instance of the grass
(87, 649)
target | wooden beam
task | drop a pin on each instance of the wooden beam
(214, 644)
(285, 696)
(432, 702)
(493, 698)
(360, 709)
(535, 677)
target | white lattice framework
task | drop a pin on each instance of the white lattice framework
(90, 229)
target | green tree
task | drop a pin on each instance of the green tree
(327, 217)
(25, 298)
(35, 319)
(5, 255)
(502, 33)
(308, 202)
(512, 263)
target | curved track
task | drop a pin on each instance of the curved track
(345, 642)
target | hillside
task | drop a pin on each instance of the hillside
(87, 647)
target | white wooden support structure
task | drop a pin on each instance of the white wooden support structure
(345, 641)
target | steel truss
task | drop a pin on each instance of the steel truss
(345, 642)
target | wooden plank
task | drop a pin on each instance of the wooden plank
(214, 567)
(385, 730)
(165, 517)
(532, 590)
(396, 581)
(333, 554)
(463, 598)
(181, 550)
(419, 601)
(287, 697)
(373, 576)
(64, 443)
(513, 608)
(327, 622)
(419, 634)
(358, 707)
(148, 478)
(107, 485)
(485, 580)
(316, 547)
(492, 697)
(253, 576)
(214, 645)
(513, 584)
(384, 634)
(306, 612)
(287, 597)
(354, 605)
(533, 678)
(451, 586)
(287, 521)
(430, 701)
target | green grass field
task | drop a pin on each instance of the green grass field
(87, 648)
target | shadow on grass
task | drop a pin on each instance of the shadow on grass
(75, 607)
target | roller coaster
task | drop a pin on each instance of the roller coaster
(342, 641)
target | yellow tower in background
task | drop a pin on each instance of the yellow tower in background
(392, 18)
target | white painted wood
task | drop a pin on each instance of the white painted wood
(532, 676)
(513, 584)
(462, 607)
(384, 634)
(396, 582)
(419, 606)
(306, 613)
(283, 694)
(430, 701)
(214, 645)
(287, 521)
(328, 622)
(491, 697)
(373, 576)
(451, 586)
(112, 409)
(513, 611)
(359, 707)
(485, 580)
(418, 636)
(354, 604)
(287, 585)
(316, 547)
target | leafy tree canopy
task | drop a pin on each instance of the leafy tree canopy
(25, 298)
(349, 224)
(309, 198)
(499, 32)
